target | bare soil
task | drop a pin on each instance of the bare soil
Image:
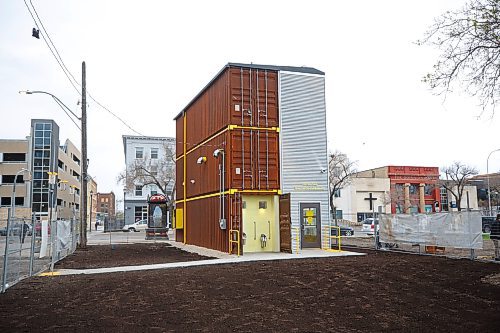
(117, 255)
(379, 292)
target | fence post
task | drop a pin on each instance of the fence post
(33, 236)
(6, 255)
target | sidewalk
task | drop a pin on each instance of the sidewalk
(116, 238)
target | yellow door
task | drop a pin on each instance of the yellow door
(259, 223)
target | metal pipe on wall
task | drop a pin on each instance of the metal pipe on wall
(267, 140)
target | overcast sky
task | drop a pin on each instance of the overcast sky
(147, 59)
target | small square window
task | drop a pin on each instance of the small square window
(138, 190)
(154, 153)
(262, 204)
(139, 152)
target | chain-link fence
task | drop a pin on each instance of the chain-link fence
(437, 241)
(113, 224)
(31, 246)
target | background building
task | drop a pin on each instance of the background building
(413, 189)
(363, 197)
(14, 157)
(146, 157)
(54, 176)
(105, 205)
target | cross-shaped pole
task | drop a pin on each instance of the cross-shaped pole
(371, 199)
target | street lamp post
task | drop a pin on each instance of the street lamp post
(83, 128)
(13, 198)
(90, 215)
(488, 179)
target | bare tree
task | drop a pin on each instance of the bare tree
(148, 171)
(340, 169)
(457, 176)
(470, 44)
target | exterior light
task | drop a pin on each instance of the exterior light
(201, 160)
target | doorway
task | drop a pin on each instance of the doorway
(310, 225)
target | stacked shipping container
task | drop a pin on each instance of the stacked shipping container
(237, 112)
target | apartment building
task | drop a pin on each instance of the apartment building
(106, 204)
(48, 178)
(148, 161)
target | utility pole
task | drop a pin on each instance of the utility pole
(83, 192)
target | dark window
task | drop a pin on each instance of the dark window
(19, 201)
(14, 157)
(60, 164)
(5, 201)
(428, 189)
(413, 189)
(59, 202)
(9, 179)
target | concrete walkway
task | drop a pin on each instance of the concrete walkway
(249, 257)
(100, 238)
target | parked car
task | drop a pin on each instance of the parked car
(344, 231)
(487, 221)
(16, 229)
(137, 226)
(369, 225)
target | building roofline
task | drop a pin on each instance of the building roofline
(142, 137)
(303, 69)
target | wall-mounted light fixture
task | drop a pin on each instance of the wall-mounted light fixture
(192, 181)
(201, 160)
(262, 204)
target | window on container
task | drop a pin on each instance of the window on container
(139, 152)
(154, 153)
(138, 190)
(14, 157)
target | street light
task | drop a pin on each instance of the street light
(90, 218)
(13, 198)
(83, 129)
(488, 178)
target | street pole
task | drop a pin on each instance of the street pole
(488, 178)
(90, 215)
(83, 197)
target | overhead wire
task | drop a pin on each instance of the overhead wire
(65, 69)
(64, 109)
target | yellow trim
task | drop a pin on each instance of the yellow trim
(228, 128)
(51, 274)
(236, 127)
(328, 238)
(230, 192)
(184, 183)
(237, 241)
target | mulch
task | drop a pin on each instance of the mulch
(379, 292)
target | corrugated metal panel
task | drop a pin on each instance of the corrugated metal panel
(303, 143)
(254, 97)
(179, 136)
(254, 159)
(203, 224)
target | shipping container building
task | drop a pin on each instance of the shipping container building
(251, 161)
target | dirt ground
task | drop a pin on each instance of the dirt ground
(380, 292)
(100, 256)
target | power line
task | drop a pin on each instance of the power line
(51, 51)
(64, 109)
(53, 45)
(66, 71)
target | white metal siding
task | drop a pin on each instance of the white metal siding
(303, 146)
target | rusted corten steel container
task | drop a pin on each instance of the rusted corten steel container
(236, 112)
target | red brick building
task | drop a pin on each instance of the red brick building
(106, 204)
(413, 189)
